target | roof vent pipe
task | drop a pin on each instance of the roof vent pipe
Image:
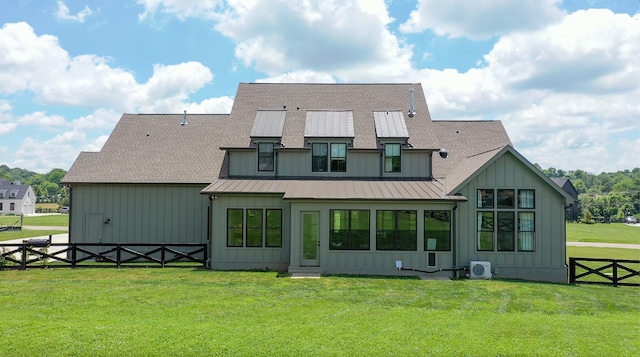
(184, 120)
(412, 111)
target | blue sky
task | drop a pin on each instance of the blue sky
(562, 76)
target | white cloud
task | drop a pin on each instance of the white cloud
(6, 128)
(99, 119)
(304, 76)
(44, 155)
(64, 13)
(347, 38)
(180, 8)
(221, 105)
(41, 119)
(481, 19)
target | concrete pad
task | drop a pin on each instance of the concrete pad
(305, 276)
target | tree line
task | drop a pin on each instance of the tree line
(47, 187)
(611, 195)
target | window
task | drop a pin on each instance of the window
(265, 157)
(506, 231)
(12, 206)
(396, 230)
(526, 231)
(274, 228)
(526, 199)
(263, 227)
(319, 157)
(339, 157)
(497, 227)
(485, 230)
(392, 158)
(505, 199)
(349, 230)
(485, 198)
(254, 228)
(0, 206)
(235, 218)
(437, 230)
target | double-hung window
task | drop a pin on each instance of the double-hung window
(505, 222)
(319, 157)
(392, 157)
(265, 157)
(339, 157)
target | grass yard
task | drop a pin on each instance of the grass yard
(26, 233)
(59, 220)
(142, 312)
(603, 233)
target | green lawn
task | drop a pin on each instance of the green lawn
(603, 233)
(26, 233)
(145, 312)
(59, 220)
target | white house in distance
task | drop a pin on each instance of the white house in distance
(16, 198)
(325, 178)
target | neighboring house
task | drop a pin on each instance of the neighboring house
(16, 198)
(571, 211)
(331, 178)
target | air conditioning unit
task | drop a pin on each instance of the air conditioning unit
(479, 270)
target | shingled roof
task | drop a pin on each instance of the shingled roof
(156, 148)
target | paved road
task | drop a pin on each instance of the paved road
(603, 245)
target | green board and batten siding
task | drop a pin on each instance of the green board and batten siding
(139, 213)
(297, 163)
(229, 258)
(547, 262)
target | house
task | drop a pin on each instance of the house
(572, 210)
(330, 178)
(16, 198)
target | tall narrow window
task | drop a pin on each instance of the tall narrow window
(274, 228)
(339, 157)
(12, 206)
(392, 158)
(319, 157)
(396, 230)
(526, 231)
(437, 230)
(485, 230)
(349, 230)
(235, 218)
(254, 228)
(506, 231)
(265, 157)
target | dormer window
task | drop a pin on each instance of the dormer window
(265, 157)
(339, 157)
(319, 157)
(392, 158)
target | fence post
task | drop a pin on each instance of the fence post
(73, 255)
(572, 270)
(118, 256)
(162, 255)
(615, 273)
(23, 265)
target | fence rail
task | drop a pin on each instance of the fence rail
(614, 272)
(23, 256)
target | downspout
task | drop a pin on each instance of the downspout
(453, 243)
(275, 163)
(209, 252)
(381, 162)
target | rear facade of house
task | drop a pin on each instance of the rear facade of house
(326, 178)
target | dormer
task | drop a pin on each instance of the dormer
(392, 136)
(329, 134)
(266, 134)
